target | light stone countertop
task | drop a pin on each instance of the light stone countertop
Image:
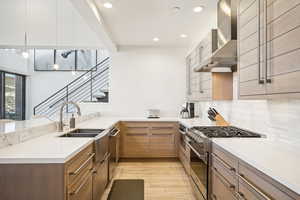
(50, 148)
(276, 158)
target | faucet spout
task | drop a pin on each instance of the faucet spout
(61, 123)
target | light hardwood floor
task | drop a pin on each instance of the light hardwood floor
(164, 179)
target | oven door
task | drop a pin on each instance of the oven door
(199, 170)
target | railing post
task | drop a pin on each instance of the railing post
(67, 98)
(91, 85)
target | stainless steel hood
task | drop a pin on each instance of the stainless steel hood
(224, 59)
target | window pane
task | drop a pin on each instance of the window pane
(65, 59)
(43, 59)
(86, 59)
(13, 97)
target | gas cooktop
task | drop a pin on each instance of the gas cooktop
(223, 132)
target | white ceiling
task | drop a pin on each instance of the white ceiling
(137, 22)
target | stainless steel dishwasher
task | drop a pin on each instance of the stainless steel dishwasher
(114, 137)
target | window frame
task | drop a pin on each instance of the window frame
(63, 70)
(2, 94)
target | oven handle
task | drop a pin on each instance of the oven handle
(202, 157)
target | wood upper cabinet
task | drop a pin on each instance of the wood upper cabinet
(232, 178)
(272, 70)
(149, 139)
(199, 83)
(203, 86)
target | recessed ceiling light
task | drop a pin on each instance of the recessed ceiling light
(183, 36)
(56, 66)
(25, 54)
(107, 5)
(155, 39)
(198, 9)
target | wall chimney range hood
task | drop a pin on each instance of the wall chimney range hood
(224, 59)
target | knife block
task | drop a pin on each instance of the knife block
(220, 121)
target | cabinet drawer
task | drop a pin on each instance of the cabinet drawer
(230, 161)
(221, 189)
(83, 190)
(162, 138)
(185, 161)
(162, 130)
(225, 171)
(80, 165)
(165, 150)
(136, 130)
(135, 124)
(254, 183)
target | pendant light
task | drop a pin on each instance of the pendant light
(56, 65)
(25, 53)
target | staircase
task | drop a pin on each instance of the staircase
(82, 89)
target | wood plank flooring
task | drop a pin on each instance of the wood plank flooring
(164, 179)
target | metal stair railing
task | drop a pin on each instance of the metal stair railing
(80, 89)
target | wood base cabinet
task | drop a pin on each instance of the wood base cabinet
(67, 181)
(232, 178)
(100, 179)
(149, 139)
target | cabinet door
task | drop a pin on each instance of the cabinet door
(283, 70)
(100, 179)
(163, 140)
(135, 139)
(221, 189)
(250, 56)
(83, 190)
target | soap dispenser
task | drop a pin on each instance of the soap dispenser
(72, 121)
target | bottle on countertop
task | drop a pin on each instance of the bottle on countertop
(72, 121)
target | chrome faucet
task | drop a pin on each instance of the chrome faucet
(61, 123)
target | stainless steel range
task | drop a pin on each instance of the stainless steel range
(200, 144)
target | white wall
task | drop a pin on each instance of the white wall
(143, 78)
(12, 61)
(40, 24)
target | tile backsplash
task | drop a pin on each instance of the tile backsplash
(275, 118)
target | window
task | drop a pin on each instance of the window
(12, 96)
(67, 59)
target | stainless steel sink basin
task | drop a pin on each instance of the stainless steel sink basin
(83, 133)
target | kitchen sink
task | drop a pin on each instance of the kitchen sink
(83, 133)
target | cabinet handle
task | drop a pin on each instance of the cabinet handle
(223, 179)
(80, 186)
(260, 81)
(82, 166)
(163, 127)
(241, 196)
(214, 197)
(267, 79)
(225, 164)
(114, 135)
(136, 134)
(241, 176)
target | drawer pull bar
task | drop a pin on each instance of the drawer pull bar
(159, 128)
(223, 179)
(225, 164)
(80, 186)
(241, 176)
(136, 134)
(82, 166)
